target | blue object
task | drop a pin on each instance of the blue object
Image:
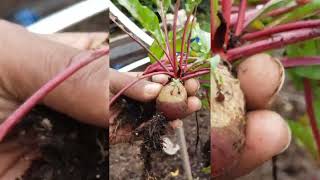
(197, 39)
(117, 66)
(26, 17)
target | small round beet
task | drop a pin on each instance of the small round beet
(172, 100)
(227, 122)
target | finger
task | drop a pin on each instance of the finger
(141, 91)
(10, 158)
(267, 135)
(192, 86)
(134, 74)
(161, 78)
(194, 104)
(21, 165)
(261, 77)
(78, 40)
(45, 60)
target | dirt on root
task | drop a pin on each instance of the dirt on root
(126, 163)
(69, 150)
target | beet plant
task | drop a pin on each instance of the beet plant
(286, 29)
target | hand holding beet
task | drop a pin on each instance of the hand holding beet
(144, 91)
(266, 134)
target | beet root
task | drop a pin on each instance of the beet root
(172, 100)
(227, 122)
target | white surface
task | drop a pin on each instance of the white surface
(134, 65)
(136, 31)
(169, 147)
(83, 10)
(68, 16)
(129, 24)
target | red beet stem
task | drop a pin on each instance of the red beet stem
(280, 11)
(212, 25)
(189, 42)
(183, 42)
(174, 38)
(310, 111)
(199, 70)
(241, 17)
(115, 97)
(277, 41)
(196, 74)
(79, 60)
(248, 13)
(300, 61)
(226, 11)
(163, 49)
(164, 20)
(282, 28)
(138, 41)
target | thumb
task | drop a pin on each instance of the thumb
(142, 91)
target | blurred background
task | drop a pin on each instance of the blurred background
(27, 12)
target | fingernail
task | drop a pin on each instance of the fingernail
(163, 79)
(289, 139)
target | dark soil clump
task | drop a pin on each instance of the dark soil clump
(152, 141)
(69, 150)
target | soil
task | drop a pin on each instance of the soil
(69, 150)
(125, 161)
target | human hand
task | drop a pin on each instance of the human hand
(143, 91)
(267, 134)
(29, 60)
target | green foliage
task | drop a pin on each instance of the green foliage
(308, 48)
(206, 170)
(273, 4)
(191, 4)
(302, 133)
(164, 3)
(301, 128)
(299, 13)
(146, 17)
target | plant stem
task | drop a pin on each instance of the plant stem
(277, 41)
(248, 13)
(183, 42)
(164, 20)
(196, 74)
(282, 28)
(134, 82)
(189, 41)
(212, 24)
(174, 37)
(79, 60)
(300, 61)
(114, 19)
(184, 151)
(280, 11)
(226, 11)
(163, 49)
(310, 111)
(274, 167)
(241, 17)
